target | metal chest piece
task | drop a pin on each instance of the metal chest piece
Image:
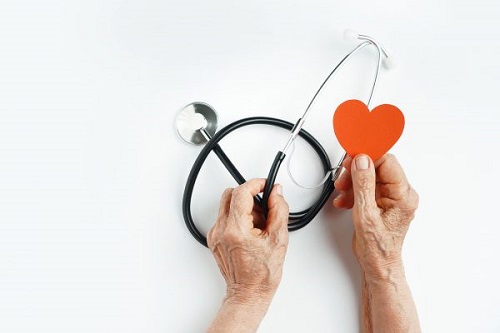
(194, 119)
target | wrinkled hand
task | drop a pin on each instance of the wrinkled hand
(383, 204)
(249, 250)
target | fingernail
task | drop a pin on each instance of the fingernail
(362, 162)
(279, 189)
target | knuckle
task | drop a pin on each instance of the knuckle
(239, 189)
(284, 239)
(279, 204)
(402, 191)
(275, 238)
(210, 234)
(227, 192)
(278, 245)
(391, 157)
(414, 198)
(279, 237)
(409, 196)
(281, 252)
(281, 216)
(392, 161)
(238, 193)
(285, 208)
(211, 238)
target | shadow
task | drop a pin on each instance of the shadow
(339, 230)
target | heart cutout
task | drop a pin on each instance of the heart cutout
(373, 133)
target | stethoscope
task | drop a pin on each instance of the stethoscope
(197, 124)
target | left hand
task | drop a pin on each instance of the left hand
(249, 250)
(383, 204)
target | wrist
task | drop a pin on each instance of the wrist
(383, 270)
(253, 297)
(386, 273)
(240, 312)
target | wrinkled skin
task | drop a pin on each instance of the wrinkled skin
(383, 204)
(249, 250)
(380, 225)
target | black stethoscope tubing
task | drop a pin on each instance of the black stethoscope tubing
(297, 220)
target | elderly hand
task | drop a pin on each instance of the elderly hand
(250, 252)
(383, 205)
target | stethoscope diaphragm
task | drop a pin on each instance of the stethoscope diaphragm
(192, 118)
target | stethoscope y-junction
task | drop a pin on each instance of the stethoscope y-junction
(197, 124)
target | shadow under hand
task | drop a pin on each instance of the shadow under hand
(339, 229)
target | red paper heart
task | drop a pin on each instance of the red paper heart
(373, 133)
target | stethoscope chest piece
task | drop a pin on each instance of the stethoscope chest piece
(192, 118)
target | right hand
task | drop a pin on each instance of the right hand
(383, 204)
(249, 249)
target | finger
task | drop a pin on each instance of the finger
(277, 217)
(224, 206)
(221, 220)
(258, 218)
(389, 171)
(363, 183)
(210, 238)
(344, 182)
(392, 179)
(346, 163)
(395, 190)
(225, 203)
(242, 202)
(344, 200)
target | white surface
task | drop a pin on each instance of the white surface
(92, 172)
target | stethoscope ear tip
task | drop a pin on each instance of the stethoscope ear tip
(350, 35)
(390, 63)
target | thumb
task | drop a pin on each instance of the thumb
(363, 183)
(277, 217)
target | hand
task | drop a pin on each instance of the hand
(249, 250)
(383, 204)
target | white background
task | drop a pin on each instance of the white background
(92, 172)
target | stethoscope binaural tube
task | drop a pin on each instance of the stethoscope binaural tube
(280, 156)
